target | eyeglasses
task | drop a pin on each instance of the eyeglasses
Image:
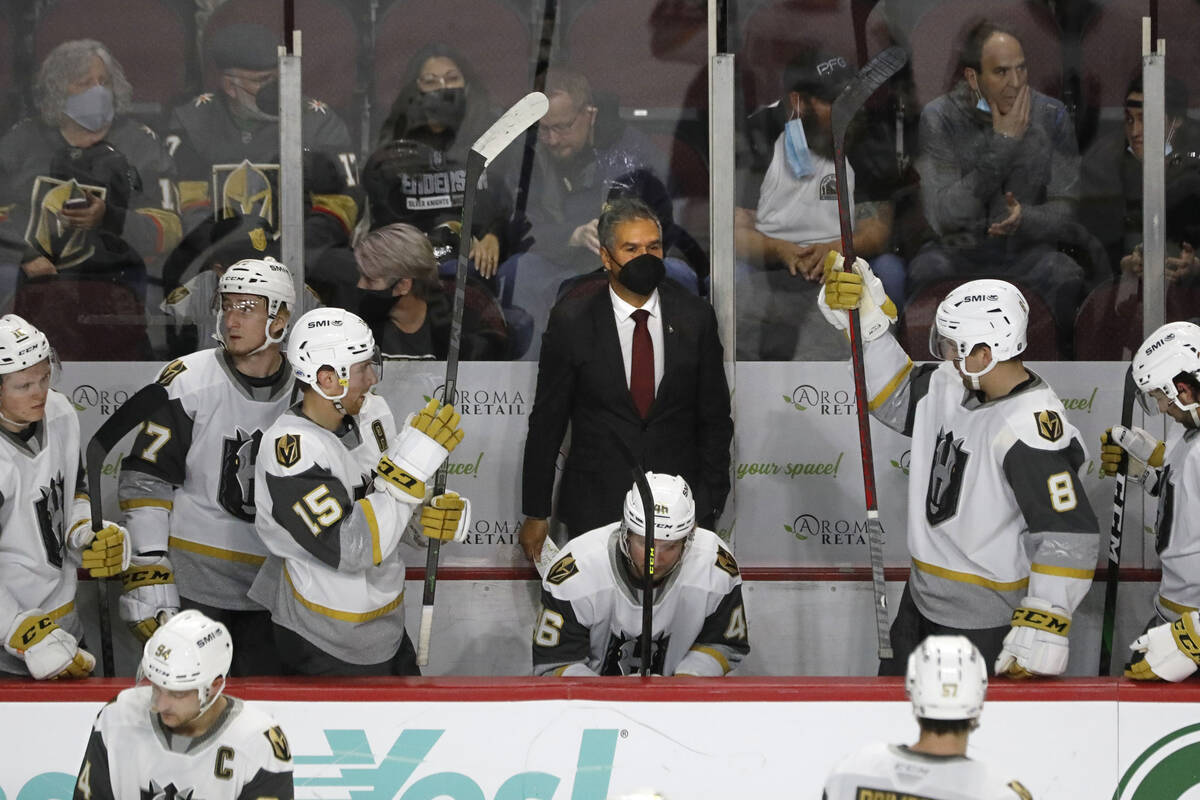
(562, 128)
(428, 81)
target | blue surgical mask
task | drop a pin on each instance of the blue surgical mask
(795, 147)
(983, 106)
(92, 109)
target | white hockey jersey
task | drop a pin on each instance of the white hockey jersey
(187, 485)
(131, 756)
(1177, 527)
(894, 772)
(43, 496)
(995, 507)
(335, 576)
(590, 621)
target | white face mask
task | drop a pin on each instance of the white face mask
(93, 109)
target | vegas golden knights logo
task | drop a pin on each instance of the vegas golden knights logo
(287, 449)
(171, 371)
(1050, 425)
(258, 239)
(245, 189)
(279, 743)
(48, 231)
(564, 568)
(726, 562)
(945, 478)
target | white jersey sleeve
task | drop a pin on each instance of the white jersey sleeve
(129, 755)
(1177, 528)
(894, 772)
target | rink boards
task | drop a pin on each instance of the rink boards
(516, 738)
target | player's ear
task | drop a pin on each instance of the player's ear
(281, 320)
(1185, 392)
(328, 379)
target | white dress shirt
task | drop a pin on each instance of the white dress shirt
(623, 312)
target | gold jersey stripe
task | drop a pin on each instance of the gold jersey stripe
(146, 502)
(170, 229)
(715, 653)
(215, 552)
(344, 616)
(967, 577)
(881, 398)
(373, 525)
(1178, 608)
(1064, 572)
(61, 611)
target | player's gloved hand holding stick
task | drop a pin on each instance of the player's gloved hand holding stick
(426, 440)
(1037, 643)
(149, 596)
(1169, 652)
(1144, 450)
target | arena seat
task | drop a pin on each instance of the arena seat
(1108, 326)
(938, 36)
(86, 319)
(150, 38)
(655, 59)
(328, 44)
(479, 300)
(491, 34)
(913, 330)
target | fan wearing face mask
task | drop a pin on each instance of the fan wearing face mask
(226, 140)
(82, 181)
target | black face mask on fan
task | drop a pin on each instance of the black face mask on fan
(643, 274)
(443, 108)
(375, 304)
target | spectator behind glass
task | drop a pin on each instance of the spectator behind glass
(418, 173)
(229, 138)
(408, 309)
(1111, 203)
(82, 184)
(787, 215)
(586, 155)
(999, 178)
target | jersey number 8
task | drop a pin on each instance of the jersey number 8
(1062, 491)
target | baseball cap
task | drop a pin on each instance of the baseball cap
(817, 73)
(244, 45)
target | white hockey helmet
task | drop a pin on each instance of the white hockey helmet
(21, 345)
(264, 277)
(334, 338)
(674, 508)
(985, 311)
(946, 679)
(189, 651)
(1170, 350)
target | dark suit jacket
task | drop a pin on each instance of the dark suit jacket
(581, 380)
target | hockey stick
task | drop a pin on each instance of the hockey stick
(848, 103)
(526, 111)
(1115, 534)
(130, 415)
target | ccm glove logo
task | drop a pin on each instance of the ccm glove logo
(1042, 620)
(393, 474)
(1186, 637)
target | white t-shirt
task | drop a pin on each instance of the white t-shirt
(800, 210)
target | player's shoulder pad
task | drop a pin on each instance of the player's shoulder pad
(376, 420)
(727, 563)
(708, 562)
(587, 555)
(191, 372)
(1038, 419)
(562, 570)
(58, 405)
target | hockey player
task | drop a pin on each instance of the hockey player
(187, 485)
(591, 616)
(1166, 370)
(1002, 539)
(45, 518)
(946, 681)
(337, 488)
(176, 734)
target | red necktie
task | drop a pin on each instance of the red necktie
(641, 370)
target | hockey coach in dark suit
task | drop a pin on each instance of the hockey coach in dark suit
(641, 361)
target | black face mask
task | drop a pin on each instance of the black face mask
(643, 274)
(267, 99)
(441, 107)
(375, 304)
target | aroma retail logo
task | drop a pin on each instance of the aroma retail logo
(809, 527)
(827, 402)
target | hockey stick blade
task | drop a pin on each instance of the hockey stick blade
(526, 111)
(870, 77)
(130, 415)
(1116, 534)
(512, 123)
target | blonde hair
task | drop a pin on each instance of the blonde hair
(399, 251)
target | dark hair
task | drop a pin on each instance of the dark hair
(619, 211)
(942, 727)
(972, 49)
(478, 114)
(1189, 380)
(1175, 94)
